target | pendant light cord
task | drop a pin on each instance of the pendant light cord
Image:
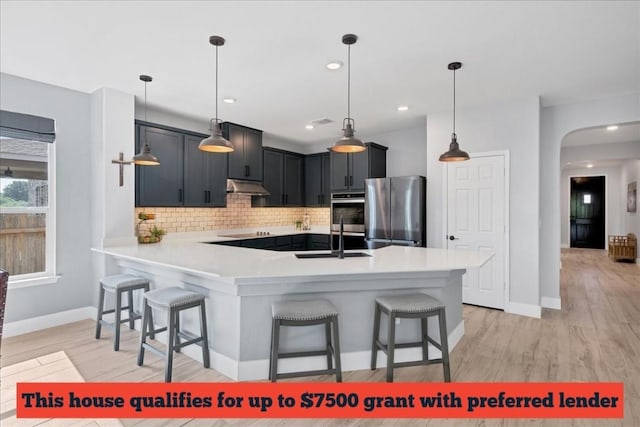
(454, 102)
(349, 82)
(216, 85)
(145, 101)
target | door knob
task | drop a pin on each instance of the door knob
(453, 238)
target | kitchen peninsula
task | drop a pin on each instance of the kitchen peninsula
(241, 284)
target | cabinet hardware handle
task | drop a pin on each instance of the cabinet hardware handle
(319, 199)
(286, 199)
(282, 199)
(180, 195)
(351, 180)
(345, 180)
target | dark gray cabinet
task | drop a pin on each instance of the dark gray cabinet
(283, 178)
(245, 162)
(349, 170)
(160, 185)
(186, 176)
(317, 180)
(205, 175)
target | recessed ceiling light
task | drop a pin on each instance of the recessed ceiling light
(589, 165)
(229, 100)
(403, 107)
(612, 127)
(308, 126)
(334, 65)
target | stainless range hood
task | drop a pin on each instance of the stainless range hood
(252, 188)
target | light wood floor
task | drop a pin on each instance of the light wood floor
(595, 337)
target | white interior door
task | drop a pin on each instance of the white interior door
(476, 220)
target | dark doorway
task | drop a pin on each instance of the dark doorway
(586, 212)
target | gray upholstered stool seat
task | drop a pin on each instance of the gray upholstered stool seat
(305, 313)
(416, 306)
(118, 284)
(173, 300)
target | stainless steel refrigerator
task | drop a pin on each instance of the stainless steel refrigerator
(395, 210)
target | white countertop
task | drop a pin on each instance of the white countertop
(186, 252)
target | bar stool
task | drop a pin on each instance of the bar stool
(413, 306)
(305, 313)
(173, 300)
(118, 284)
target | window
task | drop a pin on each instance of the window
(27, 204)
(586, 199)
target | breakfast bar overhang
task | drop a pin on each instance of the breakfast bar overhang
(242, 283)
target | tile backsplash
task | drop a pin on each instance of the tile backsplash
(237, 214)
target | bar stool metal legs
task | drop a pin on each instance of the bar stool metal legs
(119, 284)
(306, 313)
(173, 300)
(416, 306)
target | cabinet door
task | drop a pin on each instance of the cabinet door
(293, 180)
(325, 195)
(253, 154)
(236, 163)
(217, 179)
(273, 167)
(205, 175)
(358, 170)
(195, 169)
(313, 177)
(160, 185)
(339, 171)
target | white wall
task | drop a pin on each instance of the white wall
(613, 195)
(556, 122)
(71, 112)
(509, 126)
(630, 172)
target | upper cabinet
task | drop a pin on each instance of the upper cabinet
(283, 178)
(349, 170)
(245, 162)
(160, 185)
(186, 175)
(317, 180)
(205, 177)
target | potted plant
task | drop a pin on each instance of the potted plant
(156, 234)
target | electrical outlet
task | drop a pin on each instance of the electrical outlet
(397, 321)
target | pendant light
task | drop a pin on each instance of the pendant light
(348, 143)
(216, 143)
(144, 157)
(455, 154)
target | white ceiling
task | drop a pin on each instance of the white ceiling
(275, 56)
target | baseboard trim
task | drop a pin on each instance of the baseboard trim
(564, 246)
(358, 360)
(551, 302)
(528, 310)
(25, 326)
(237, 370)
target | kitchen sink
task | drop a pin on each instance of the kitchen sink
(333, 255)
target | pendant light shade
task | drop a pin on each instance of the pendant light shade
(348, 143)
(455, 154)
(144, 157)
(216, 143)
